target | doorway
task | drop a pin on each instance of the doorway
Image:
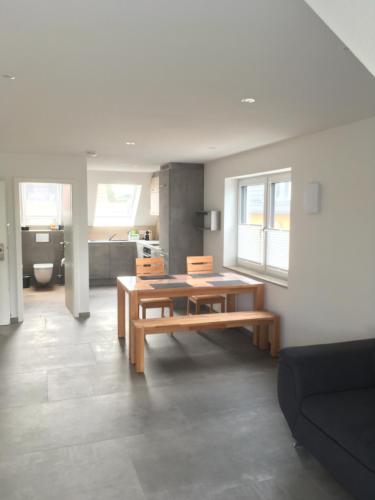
(46, 243)
(4, 259)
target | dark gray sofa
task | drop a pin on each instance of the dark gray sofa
(327, 394)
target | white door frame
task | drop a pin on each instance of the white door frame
(5, 313)
(18, 239)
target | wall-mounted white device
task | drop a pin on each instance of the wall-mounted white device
(211, 220)
(312, 198)
(42, 237)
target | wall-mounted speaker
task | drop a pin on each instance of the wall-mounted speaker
(312, 198)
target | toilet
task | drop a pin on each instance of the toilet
(43, 273)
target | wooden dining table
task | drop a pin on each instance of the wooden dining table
(131, 289)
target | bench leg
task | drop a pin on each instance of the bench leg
(263, 337)
(255, 335)
(139, 350)
(171, 313)
(275, 337)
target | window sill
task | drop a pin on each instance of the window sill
(253, 274)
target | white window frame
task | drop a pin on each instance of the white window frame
(125, 220)
(40, 220)
(266, 180)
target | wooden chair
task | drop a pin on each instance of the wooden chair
(153, 267)
(202, 265)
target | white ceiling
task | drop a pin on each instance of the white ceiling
(169, 75)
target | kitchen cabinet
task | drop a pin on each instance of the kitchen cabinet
(98, 261)
(109, 259)
(154, 194)
(181, 191)
(122, 259)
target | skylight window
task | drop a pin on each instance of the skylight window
(116, 204)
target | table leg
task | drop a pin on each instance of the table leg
(120, 311)
(263, 337)
(258, 305)
(231, 302)
(275, 337)
(133, 314)
(259, 298)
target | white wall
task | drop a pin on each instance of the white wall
(353, 22)
(331, 292)
(143, 217)
(68, 168)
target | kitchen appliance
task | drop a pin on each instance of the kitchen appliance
(146, 252)
(133, 235)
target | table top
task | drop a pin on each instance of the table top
(181, 284)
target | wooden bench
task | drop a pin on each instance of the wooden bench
(263, 319)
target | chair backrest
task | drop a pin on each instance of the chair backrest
(153, 266)
(202, 264)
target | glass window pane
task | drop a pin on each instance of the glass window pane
(116, 204)
(252, 204)
(41, 203)
(250, 243)
(280, 205)
(278, 249)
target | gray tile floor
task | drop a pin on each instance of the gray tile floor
(76, 422)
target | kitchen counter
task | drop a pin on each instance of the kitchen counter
(111, 241)
(109, 259)
(144, 243)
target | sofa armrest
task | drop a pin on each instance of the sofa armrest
(304, 371)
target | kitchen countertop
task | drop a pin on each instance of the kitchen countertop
(111, 241)
(149, 243)
(144, 243)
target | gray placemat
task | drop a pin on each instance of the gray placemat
(171, 285)
(161, 277)
(227, 282)
(205, 275)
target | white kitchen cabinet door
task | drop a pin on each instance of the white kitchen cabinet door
(154, 202)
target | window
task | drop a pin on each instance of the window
(40, 203)
(264, 223)
(116, 204)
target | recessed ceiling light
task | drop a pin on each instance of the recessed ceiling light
(9, 77)
(248, 100)
(130, 143)
(92, 154)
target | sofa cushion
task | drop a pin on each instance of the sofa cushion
(348, 417)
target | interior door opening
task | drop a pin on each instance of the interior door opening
(47, 247)
(4, 259)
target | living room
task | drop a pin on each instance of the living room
(209, 331)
